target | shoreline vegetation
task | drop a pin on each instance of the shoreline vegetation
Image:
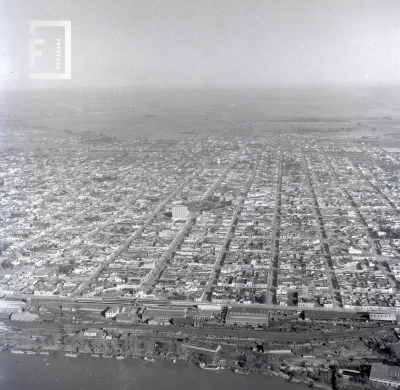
(325, 375)
(289, 378)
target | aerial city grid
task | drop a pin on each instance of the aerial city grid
(199, 195)
(217, 241)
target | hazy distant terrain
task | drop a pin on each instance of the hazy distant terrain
(29, 118)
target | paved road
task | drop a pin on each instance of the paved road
(229, 233)
(68, 222)
(360, 216)
(52, 300)
(86, 210)
(320, 227)
(84, 285)
(65, 223)
(392, 205)
(276, 227)
(166, 255)
(162, 262)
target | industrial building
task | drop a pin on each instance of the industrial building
(164, 313)
(388, 375)
(247, 316)
(11, 306)
(24, 316)
(382, 316)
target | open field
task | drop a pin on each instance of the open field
(28, 118)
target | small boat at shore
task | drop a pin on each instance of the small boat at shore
(240, 371)
(210, 367)
(148, 359)
(44, 353)
(120, 357)
(30, 352)
(17, 351)
(95, 355)
(71, 354)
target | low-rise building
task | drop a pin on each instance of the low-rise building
(112, 312)
(92, 333)
(388, 375)
(247, 316)
(11, 306)
(388, 316)
(164, 314)
(24, 316)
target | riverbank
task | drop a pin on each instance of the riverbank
(37, 372)
(307, 363)
(173, 359)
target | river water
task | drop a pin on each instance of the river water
(55, 371)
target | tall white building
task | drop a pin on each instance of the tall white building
(179, 211)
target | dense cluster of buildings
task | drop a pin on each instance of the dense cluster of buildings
(285, 220)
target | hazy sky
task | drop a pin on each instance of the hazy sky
(199, 43)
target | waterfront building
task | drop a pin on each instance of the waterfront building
(388, 375)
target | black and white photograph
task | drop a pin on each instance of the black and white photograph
(199, 194)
